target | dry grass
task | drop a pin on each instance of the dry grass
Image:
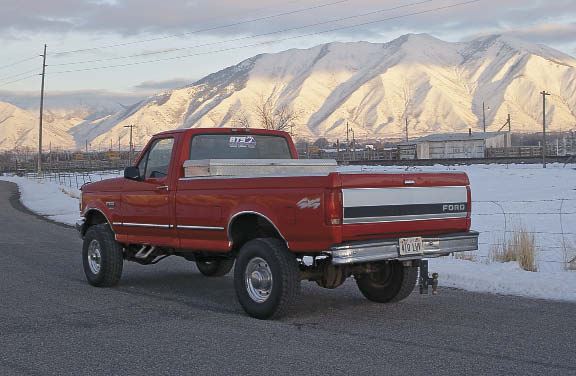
(519, 247)
(468, 256)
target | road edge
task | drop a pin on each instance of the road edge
(17, 204)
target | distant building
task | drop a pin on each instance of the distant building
(407, 150)
(460, 145)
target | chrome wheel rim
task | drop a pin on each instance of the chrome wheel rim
(94, 256)
(258, 277)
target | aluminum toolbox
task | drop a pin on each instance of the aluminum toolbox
(258, 167)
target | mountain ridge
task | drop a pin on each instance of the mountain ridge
(438, 86)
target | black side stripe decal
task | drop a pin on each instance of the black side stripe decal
(402, 210)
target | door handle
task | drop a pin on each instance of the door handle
(162, 188)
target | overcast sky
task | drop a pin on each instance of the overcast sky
(225, 30)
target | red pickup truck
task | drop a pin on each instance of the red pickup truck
(242, 198)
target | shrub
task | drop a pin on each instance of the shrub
(519, 247)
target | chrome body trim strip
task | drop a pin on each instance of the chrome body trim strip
(207, 228)
(388, 249)
(153, 225)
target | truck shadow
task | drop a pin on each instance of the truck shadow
(192, 289)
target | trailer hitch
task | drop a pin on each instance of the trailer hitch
(426, 280)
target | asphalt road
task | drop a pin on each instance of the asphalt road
(168, 319)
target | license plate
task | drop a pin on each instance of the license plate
(410, 246)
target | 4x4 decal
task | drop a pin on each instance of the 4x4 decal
(306, 202)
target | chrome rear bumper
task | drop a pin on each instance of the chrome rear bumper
(388, 249)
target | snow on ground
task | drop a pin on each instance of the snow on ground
(53, 199)
(504, 197)
(504, 278)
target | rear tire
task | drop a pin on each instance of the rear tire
(266, 278)
(215, 267)
(392, 283)
(102, 256)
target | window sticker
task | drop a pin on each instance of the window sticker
(242, 142)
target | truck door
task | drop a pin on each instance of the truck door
(146, 204)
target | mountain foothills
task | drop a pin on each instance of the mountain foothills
(19, 127)
(438, 86)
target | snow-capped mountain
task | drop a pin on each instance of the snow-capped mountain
(19, 128)
(438, 86)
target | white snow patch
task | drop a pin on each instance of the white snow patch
(57, 202)
(504, 278)
(47, 199)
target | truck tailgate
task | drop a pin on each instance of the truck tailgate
(399, 204)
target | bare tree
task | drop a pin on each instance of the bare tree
(241, 119)
(322, 143)
(273, 116)
(265, 112)
(406, 95)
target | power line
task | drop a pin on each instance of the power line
(247, 37)
(525, 201)
(21, 79)
(18, 62)
(205, 29)
(18, 75)
(270, 42)
(524, 213)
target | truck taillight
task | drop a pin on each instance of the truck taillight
(469, 201)
(333, 207)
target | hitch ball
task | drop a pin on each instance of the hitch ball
(426, 280)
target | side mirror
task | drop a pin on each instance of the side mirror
(132, 173)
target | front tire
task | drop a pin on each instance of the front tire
(102, 256)
(216, 267)
(266, 278)
(392, 282)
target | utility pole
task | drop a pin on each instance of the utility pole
(484, 116)
(347, 136)
(41, 112)
(406, 129)
(353, 146)
(509, 124)
(544, 94)
(118, 145)
(131, 126)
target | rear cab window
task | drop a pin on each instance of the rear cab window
(230, 146)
